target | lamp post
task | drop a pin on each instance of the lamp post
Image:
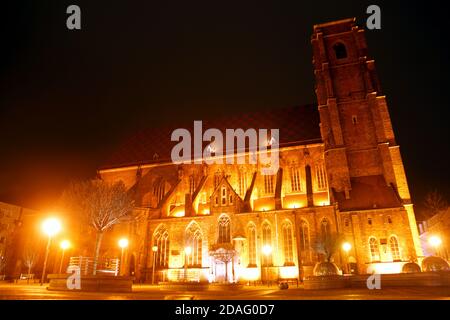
(50, 227)
(65, 244)
(266, 250)
(346, 246)
(187, 252)
(435, 242)
(154, 249)
(123, 243)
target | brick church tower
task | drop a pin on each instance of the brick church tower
(363, 160)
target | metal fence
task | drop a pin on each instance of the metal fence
(104, 266)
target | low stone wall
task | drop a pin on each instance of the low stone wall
(184, 286)
(325, 282)
(420, 279)
(98, 283)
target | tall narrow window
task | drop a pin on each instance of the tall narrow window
(340, 51)
(194, 240)
(304, 241)
(159, 189)
(242, 183)
(395, 250)
(321, 178)
(251, 234)
(266, 244)
(192, 184)
(216, 179)
(224, 229)
(161, 241)
(295, 180)
(325, 229)
(224, 196)
(287, 244)
(268, 184)
(374, 250)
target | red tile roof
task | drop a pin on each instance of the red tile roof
(298, 125)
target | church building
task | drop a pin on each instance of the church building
(340, 180)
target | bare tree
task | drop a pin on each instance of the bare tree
(102, 205)
(328, 245)
(434, 202)
(29, 258)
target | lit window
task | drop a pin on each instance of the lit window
(161, 240)
(267, 242)
(159, 190)
(216, 179)
(374, 250)
(194, 240)
(224, 229)
(268, 184)
(304, 241)
(192, 184)
(287, 243)
(242, 183)
(389, 219)
(224, 196)
(321, 179)
(395, 250)
(325, 229)
(295, 180)
(369, 221)
(251, 234)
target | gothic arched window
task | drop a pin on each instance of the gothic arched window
(305, 244)
(374, 250)
(395, 250)
(286, 231)
(266, 244)
(161, 241)
(224, 229)
(340, 51)
(194, 240)
(251, 235)
(325, 229)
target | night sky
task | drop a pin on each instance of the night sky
(68, 98)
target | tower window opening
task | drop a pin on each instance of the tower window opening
(340, 51)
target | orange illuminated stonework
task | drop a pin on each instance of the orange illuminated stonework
(340, 173)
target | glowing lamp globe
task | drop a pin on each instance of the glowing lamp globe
(346, 246)
(123, 243)
(65, 244)
(51, 226)
(266, 250)
(435, 241)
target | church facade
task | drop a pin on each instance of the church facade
(340, 180)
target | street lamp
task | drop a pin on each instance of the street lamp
(65, 244)
(267, 251)
(154, 249)
(187, 252)
(50, 227)
(435, 242)
(123, 243)
(346, 246)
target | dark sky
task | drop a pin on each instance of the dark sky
(67, 98)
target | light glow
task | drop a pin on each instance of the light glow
(435, 241)
(346, 246)
(266, 249)
(65, 244)
(123, 243)
(188, 250)
(385, 268)
(51, 226)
